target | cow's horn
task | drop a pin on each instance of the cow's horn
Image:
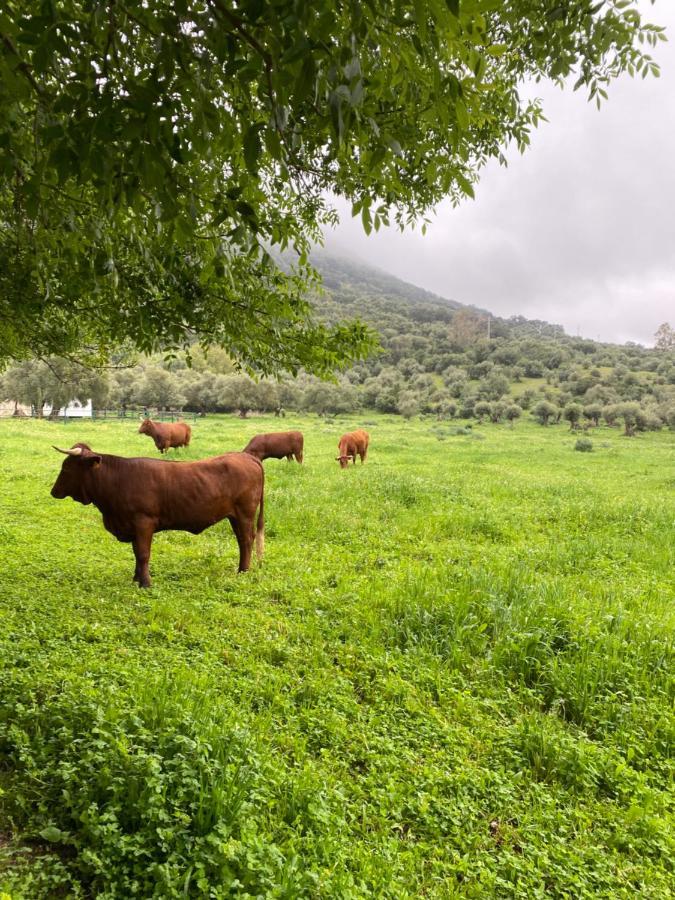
(74, 451)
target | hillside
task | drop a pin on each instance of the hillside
(348, 282)
(436, 357)
(439, 356)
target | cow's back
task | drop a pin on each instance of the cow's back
(361, 438)
(354, 441)
(188, 496)
(275, 444)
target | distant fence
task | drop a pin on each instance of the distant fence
(100, 415)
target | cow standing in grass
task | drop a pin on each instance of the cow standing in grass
(138, 497)
(167, 434)
(276, 445)
(351, 445)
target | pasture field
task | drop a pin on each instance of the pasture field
(452, 676)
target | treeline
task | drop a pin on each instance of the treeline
(437, 358)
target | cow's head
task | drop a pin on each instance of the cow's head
(145, 427)
(72, 481)
(343, 460)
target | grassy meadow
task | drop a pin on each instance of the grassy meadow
(452, 676)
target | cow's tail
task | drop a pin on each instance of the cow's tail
(260, 529)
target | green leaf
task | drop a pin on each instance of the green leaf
(252, 148)
(53, 834)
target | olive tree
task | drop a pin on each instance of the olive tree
(498, 411)
(544, 412)
(55, 382)
(572, 414)
(593, 412)
(633, 417)
(482, 409)
(408, 404)
(159, 387)
(513, 412)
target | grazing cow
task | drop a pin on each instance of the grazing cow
(352, 444)
(276, 445)
(167, 434)
(138, 497)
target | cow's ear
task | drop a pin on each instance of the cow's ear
(93, 460)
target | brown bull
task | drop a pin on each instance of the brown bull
(138, 497)
(276, 445)
(167, 434)
(351, 445)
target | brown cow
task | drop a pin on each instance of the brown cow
(138, 497)
(167, 434)
(276, 445)
(352, 444)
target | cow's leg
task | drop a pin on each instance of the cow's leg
(141, 544)
(298, 457)
(243, 530)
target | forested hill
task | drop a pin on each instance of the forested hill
(357, 289)
(440, 356)
(347, 279)
(437, 357)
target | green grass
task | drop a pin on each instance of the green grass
(518, 388)
(451, 677)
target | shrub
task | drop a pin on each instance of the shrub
(584, 445)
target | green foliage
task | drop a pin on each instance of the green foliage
(54, 382)
(664, 338)
(584, 445)
(153, 152)
(593, 412)
(544, 412)
(572, 414)
(482, 409)
(159, 388)
(424, 336)
(513, 412)
(451, 675)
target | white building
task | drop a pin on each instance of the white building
(74, 410)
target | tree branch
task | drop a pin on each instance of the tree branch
(22, 65)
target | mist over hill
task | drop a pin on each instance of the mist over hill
(350, 282)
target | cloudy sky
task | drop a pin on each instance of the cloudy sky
(579, 231)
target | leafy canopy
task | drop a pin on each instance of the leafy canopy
(154, 152)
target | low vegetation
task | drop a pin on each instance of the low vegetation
(452, 675)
